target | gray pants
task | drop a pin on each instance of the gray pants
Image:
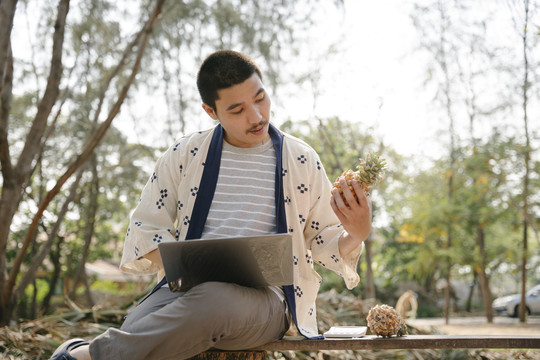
(171, 325)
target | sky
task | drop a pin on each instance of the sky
(378, 77)
(375, 78)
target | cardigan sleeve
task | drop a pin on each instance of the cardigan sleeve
(324, 230)
(153, 220)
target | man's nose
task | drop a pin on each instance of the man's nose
(254, 114)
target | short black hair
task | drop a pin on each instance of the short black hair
(221, 70)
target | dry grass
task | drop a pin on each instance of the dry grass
(37, 339)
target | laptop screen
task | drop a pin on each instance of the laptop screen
(248, 261)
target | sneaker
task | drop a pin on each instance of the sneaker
(62, 353)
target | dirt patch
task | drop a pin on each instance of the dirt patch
(479, 326)
(490, 329)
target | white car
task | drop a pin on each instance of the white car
(510, 304)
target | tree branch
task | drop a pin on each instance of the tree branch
(7, 13)
(5, 107)
(33, 138)
(116, 71)
(87, 151)
(45, 249)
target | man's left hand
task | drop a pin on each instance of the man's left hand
(355, 216)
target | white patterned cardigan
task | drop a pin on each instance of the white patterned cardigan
(165, 212)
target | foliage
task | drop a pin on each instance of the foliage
(113, 288)
(470, 74)
(471, 78)
(97, 54)
(340, 143)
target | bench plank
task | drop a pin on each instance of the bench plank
(372, 342)
(226, 355)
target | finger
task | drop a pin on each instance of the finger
(338, 199)
(364, 201)
(340, 203)
(347, 193)
(362, 196)
(334, 205)
(336, 209)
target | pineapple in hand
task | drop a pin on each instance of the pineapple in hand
(369, 173)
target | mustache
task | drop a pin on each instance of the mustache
(261, 123)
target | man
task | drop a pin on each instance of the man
(242, 177)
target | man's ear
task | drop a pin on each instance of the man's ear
(210, 111)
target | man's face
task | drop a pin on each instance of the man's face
(244, 112)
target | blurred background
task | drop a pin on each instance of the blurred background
(93, 91)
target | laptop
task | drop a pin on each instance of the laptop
(253, 261)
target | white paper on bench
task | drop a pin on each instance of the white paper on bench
(345, 332)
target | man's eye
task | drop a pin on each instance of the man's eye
(237, 112)
(260, 98)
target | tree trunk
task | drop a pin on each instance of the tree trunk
(527, 157)
(468, 304)
(447, 296)
(55, 276)
(17, 176)
(448, 104)
(33, 303)
(80, 274)
(8, 200)
(9, 197)
(369, 291)
(447, 293)
(482, 275)
(7, 296)
(522, 304)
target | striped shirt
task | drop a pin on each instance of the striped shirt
(244, 200)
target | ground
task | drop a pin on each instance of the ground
(476, 325)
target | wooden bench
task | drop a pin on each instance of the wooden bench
(371, 342)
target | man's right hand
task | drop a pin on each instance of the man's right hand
(154, 257)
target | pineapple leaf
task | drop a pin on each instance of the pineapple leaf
(371, 169)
